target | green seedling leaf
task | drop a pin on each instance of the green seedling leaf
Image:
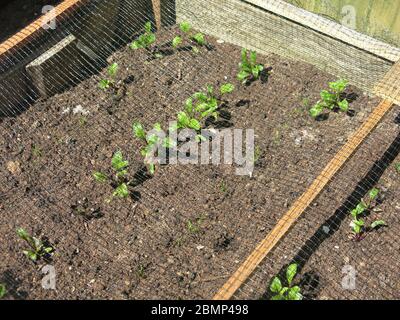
(152, 168)
(294, 293)
(328, 98)
(104, 84)
(176, 41)
(37, 249)
(338, 86)
(378, 223)
(31, 255)
(289, 292)
(227, 88)
(135, 45)
(48, 249)
(361, 207)
(249, 69)
(24, 235)
(117, 162)
(100, 177)
(194, 124)
(276, 285)
(145, 40)
(316, 110)
(253, 57)
(356, 228)
(373, 194)
(243, 75)
(397, 166)
(147, 26)
(113, 69)
(200, 138)
(138, 131)
(344, 105)
(291, 273)
(199, 39)
(331, 99)
(183, 120)
(169, 143)
(354, 213)
(185, 26)
(3, 290)
(121, 191)
(157, 127)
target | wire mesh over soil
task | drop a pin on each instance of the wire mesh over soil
(321, 242)
(185, 230)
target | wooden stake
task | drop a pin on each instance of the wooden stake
(157, 12)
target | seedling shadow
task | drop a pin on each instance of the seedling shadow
(243, 103)
(222, 122)
(350, 97)
(140, 176)
(264, 77)
(334, 222)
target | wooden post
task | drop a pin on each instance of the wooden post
(157, 12)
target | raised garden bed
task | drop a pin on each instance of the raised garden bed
(186, 229)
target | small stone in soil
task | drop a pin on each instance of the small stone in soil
(326, 229)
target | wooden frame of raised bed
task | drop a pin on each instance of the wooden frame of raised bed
(366, 62)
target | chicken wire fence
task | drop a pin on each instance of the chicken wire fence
(184, 231)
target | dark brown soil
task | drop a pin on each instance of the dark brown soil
(17, 14)
(142, 247)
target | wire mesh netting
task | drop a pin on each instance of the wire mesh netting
(183, 231)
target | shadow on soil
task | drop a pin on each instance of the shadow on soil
(310, 281)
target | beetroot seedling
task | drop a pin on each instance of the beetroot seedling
(112, 71)
(37, 248)
(289, 292)
(145, 40)
(195, 40)
(249, 69)
(117, 176)
(331, 99)
(200, 106)
(151, 142)
(358, 225)
(397, 166)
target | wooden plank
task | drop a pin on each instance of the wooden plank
(286, 222)
(329, 28)
(36, 25)
(251, 26)
(44, 73)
